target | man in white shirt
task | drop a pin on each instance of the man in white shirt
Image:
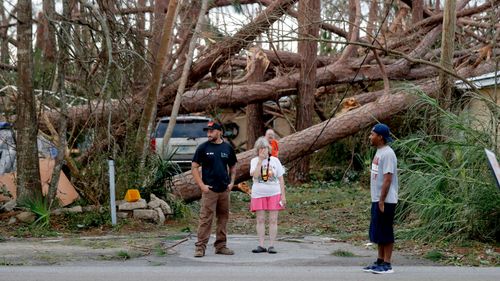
(384, 197)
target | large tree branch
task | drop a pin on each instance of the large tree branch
(304, 142)
(199, 100)
(219, 52)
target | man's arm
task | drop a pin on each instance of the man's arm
(232, 173)
(386, 184)
(195, 171)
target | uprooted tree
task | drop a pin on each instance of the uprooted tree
(113, 48)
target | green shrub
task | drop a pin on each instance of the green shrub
(159, 175)
(446, 189)
(40, 207)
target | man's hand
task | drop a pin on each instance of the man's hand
(230, 186)
(205, 188)
(381, 206)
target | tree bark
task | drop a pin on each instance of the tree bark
(372, 18)
(185, 72)
(447, 49)
(417, 11)
(62, 63)
(160, 8)
(28, 169)
(49, 35)
(4, 43)
(309, 17)
(354, 26)
(257, 64)
(150, 105)
(140, 46)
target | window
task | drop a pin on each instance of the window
(183, 129)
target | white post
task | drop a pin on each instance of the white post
(111, 164)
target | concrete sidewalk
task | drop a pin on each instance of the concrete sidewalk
(161, 250)
(298, 251)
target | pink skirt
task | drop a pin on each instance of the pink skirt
(270, 203)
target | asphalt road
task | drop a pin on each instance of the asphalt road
(306, 258)
(241, 273)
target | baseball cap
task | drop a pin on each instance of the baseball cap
(213, 126)
(384, 131)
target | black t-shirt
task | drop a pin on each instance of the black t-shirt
(215, 160)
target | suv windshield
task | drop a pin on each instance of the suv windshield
(183, 129)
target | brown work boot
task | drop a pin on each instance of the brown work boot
(224, 251)
(199, 252)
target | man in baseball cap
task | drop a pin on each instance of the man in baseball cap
(217, 160)
(384, 197)
(384, 131)
(213, 126)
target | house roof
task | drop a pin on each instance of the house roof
(481, 81)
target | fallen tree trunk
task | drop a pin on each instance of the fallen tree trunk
(311, 139)
(377, 106)
(237, 95)
(339, 72)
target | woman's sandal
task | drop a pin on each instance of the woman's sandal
(271, 250)
(259, 249)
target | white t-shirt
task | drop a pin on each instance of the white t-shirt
(384, 162)
(261, 188)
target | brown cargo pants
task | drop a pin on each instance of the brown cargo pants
(218, 204)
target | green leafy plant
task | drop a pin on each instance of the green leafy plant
(40, 207)
(343, 253)
(160, 173)
(180, 208)
(123, 255)
(446, 189)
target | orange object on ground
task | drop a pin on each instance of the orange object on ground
(274, 148)
(243, 186)
(132, 195)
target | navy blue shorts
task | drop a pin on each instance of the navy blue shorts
(382, 224)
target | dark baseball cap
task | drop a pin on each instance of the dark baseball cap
(384, 131)
(213, 126)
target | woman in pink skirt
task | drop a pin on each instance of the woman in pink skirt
(268, 193)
